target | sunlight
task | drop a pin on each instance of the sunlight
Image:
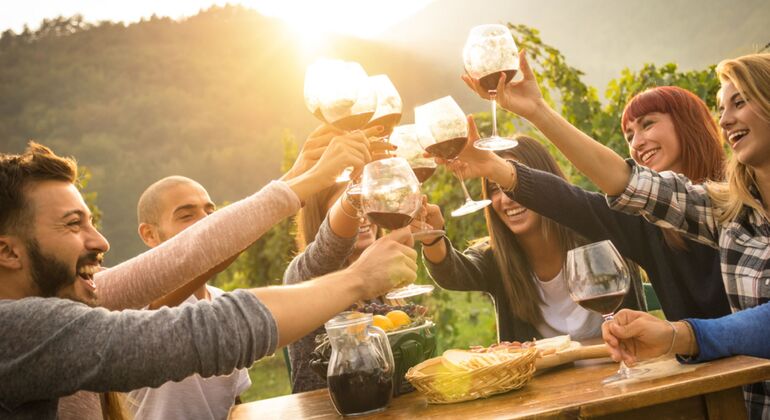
(359, 18)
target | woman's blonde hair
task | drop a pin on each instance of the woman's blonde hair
(750, 75)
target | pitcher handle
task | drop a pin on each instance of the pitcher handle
(382, 339)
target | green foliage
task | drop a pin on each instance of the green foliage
(90, 197)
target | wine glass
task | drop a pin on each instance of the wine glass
(444, 133)
(405, 137)
(489, 52)
(388, 110)
(390, 198)
(339, 93)
(598, 279)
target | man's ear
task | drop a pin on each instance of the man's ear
(10, 253)
(149, 234)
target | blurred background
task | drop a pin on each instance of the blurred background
(140, 90)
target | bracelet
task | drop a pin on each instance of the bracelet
(433, 242)
(690, 348)
(673, 338)
(351, 216)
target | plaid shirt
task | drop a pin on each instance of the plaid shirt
(671, 200)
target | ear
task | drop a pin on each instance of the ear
(149, 234)
(10, 253)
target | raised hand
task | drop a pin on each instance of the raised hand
(521, 97)
(429, 214)
(390, 262)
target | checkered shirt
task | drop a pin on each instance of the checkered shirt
(671, 200)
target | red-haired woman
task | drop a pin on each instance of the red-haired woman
(667, 128)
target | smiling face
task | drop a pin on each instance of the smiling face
(64, 249)
(653, 142)
(743, 127)
(180, 206)
(519, 220)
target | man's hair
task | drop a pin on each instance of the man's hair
(148, 210)
(17, 172)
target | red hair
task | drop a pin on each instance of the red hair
(702, 155)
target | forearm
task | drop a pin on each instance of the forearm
(458, 270)
(598, 162)
(435, 253)
(299, 309)
(196, 250)
(739, 333)
(327, 253)
(344, 219)
(178, 296)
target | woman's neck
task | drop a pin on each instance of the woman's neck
(544, 255)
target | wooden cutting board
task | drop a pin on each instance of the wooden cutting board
(573, 353)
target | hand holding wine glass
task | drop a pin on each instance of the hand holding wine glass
(636, 335)
(598, 280)
(489, 56)
(347, 150)
(443, 129)
(521, 97)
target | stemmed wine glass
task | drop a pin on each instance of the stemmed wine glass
(390, 198)
(339, 93)
(388, 110)
(444, 133)
(405, 137)
(598, 279)
(490, 51)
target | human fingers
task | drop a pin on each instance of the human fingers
(473, 131)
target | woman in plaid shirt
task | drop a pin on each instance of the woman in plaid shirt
(731, 216)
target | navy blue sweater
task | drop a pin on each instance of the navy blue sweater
(688, 282)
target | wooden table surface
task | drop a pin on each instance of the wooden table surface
(573, 391)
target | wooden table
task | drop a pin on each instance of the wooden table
(575, 391)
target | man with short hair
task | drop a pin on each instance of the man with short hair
(166, 208)
(54, 345)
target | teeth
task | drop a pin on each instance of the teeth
(648, 154)
(515, 212)
(735, 135)
(89, 270)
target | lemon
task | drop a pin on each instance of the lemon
(383, 322)
(398, 318)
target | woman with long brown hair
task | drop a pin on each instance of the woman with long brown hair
(521, 263)
(668, 129)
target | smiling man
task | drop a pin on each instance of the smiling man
(166, 208)
(52, 344)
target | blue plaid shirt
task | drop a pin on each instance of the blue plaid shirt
(671, 200)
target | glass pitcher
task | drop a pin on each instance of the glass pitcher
(360, 375)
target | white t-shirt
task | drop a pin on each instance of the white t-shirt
(194, 397)
(562, 315)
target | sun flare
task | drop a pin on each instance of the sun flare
(360, 18)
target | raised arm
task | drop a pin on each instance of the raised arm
(598, 162)
(196, 250)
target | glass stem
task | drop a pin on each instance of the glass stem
(493, 100)
(462, 184)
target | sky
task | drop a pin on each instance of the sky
(351, 17)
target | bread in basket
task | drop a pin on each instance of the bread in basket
(460, 375)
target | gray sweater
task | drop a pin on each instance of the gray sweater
(326, 254)
(50, 347)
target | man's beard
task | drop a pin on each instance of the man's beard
(52, 276)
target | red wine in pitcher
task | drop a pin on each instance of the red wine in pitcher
(423, 173)
(360, 392)
(389, 220)
(489, 82)
(448, 149)
(603, 304)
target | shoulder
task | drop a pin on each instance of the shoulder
(215, 292)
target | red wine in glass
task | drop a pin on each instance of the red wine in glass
(489, 82)
(389, 122)
(353, 122)
(391, 221)
(423, 173)
(603, 304)
(447, 149)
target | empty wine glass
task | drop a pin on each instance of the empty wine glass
(405, 137)
(390, 198)
(598, 280)
(444, 133)
(489, 52)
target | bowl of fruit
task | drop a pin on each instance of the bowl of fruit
(411, 333)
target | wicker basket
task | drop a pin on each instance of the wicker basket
(442, 385)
